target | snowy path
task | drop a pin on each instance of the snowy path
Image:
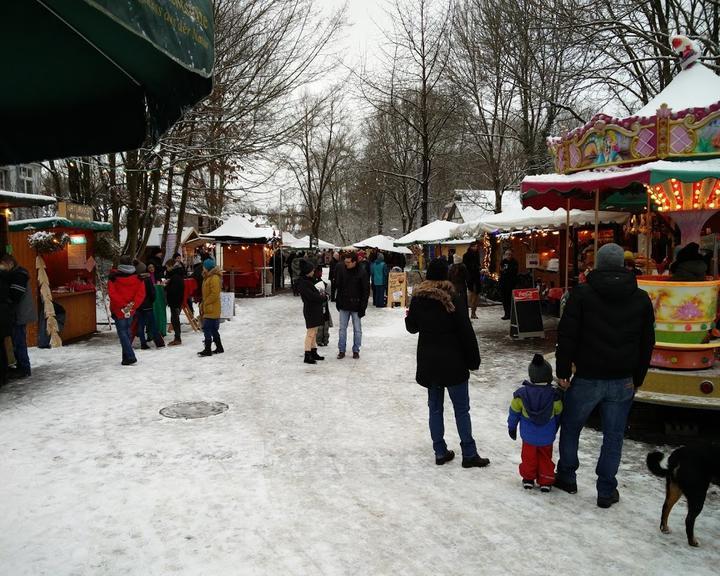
(323, 469)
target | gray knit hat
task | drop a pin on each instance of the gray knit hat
(539, 370)
(609, 256)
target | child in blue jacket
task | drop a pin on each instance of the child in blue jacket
(536, 405)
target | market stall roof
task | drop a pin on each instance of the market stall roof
(380, 242)
(288, 239)
(304, 244)
(18, 200)
(534, 219)
(155, 238)
(431, 233)
(56, 222)
(238, 230)
(554, 190)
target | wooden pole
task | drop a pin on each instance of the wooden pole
(648, 234)
(597, 222)
(567, 245)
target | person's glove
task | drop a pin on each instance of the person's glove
(512, 432)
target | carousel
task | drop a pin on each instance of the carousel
(667, 152)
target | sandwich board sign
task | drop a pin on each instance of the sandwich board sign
(526, 314)
(397, 290)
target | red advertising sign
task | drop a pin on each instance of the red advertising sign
(526, 295)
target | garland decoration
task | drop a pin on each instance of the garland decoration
(48, 309)
(48, 242)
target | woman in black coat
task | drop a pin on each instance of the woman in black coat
(175, 294)
(313, 302)
(5, 323)
(447, 349)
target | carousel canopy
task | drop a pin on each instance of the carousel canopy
(431, 233)
(531, 219)
(557, 190)
(55, 222)
(240, 230)
(19, 200)
(380, 242)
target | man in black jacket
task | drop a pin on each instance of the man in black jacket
(471, 260)
(508, 280)
(353, 291)
(607, 332)
(174, 295)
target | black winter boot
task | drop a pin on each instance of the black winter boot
(159, 341)
(206, 351)
(218, 345)
(315, 355)
(309, 358)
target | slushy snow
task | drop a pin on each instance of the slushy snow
(324, 469)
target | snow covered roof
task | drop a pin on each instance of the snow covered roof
(432, 232)
(18, 199)
(474, 204)
(694, 87)
(57, 222)
(533, 219)
(304, 243)
(380, 242)
(240, 228)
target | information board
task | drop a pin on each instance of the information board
(526, 316)
(77, 256)
(227, 304)
(532, 260)
(397, 290)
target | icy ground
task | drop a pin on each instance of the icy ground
(323, 469)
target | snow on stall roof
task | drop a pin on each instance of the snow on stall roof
(474, 204)
(12, 199)
(694, 87)
(532, 219)
(304, 243)
(380, 242)
(155, 238)
(241, 228)
(432, 232)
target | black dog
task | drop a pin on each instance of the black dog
(689, 472)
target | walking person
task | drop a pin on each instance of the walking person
(458, 275)
(295, 272)
(22, 313)
(323, 333)
(536, 406)
(126, 293)
(447, 349)
(334, 262)
(5, 327)
(471, 260)
(313, 301)
(353, 292)
(607, 332)
(508, 281)
(379, 275)
(146, 313)
(174, 294)
(210, 308)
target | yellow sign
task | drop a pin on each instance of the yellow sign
(76, 212)
(397, 289)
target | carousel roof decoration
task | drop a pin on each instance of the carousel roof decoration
(682, 121)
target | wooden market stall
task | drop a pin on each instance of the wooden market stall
(71, 270)
(243, 251)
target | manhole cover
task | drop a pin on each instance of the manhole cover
(190, 410)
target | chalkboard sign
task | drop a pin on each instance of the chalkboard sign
(526, 316)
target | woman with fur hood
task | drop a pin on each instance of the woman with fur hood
(447, 349)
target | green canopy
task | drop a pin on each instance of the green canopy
(85, 77)
(57, 222)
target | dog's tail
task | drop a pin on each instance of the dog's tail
(653, 464)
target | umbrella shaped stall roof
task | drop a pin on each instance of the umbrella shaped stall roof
(380, 242)
(94, 76)
(431, 233)
(240, 230)
(533, 219)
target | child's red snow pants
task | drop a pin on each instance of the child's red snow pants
(537, 464)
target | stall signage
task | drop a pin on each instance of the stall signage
(532, 260)
(77, 212)
(526, 314)
(397, 289)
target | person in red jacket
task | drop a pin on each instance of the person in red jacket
(127, 292)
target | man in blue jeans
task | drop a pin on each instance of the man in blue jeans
(353, 291)
(607, 332)
(22, 312)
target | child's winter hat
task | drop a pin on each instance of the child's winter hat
(209, 264)
(539, 370)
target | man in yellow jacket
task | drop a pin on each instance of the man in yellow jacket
(210, 307)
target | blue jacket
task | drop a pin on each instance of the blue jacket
(537, 408)
(379, 271)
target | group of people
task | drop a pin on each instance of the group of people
(606, 332)
(131, 288)
(16, 312)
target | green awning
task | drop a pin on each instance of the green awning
(86, 77)
(54, 222)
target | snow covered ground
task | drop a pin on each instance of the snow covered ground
(324, 469)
